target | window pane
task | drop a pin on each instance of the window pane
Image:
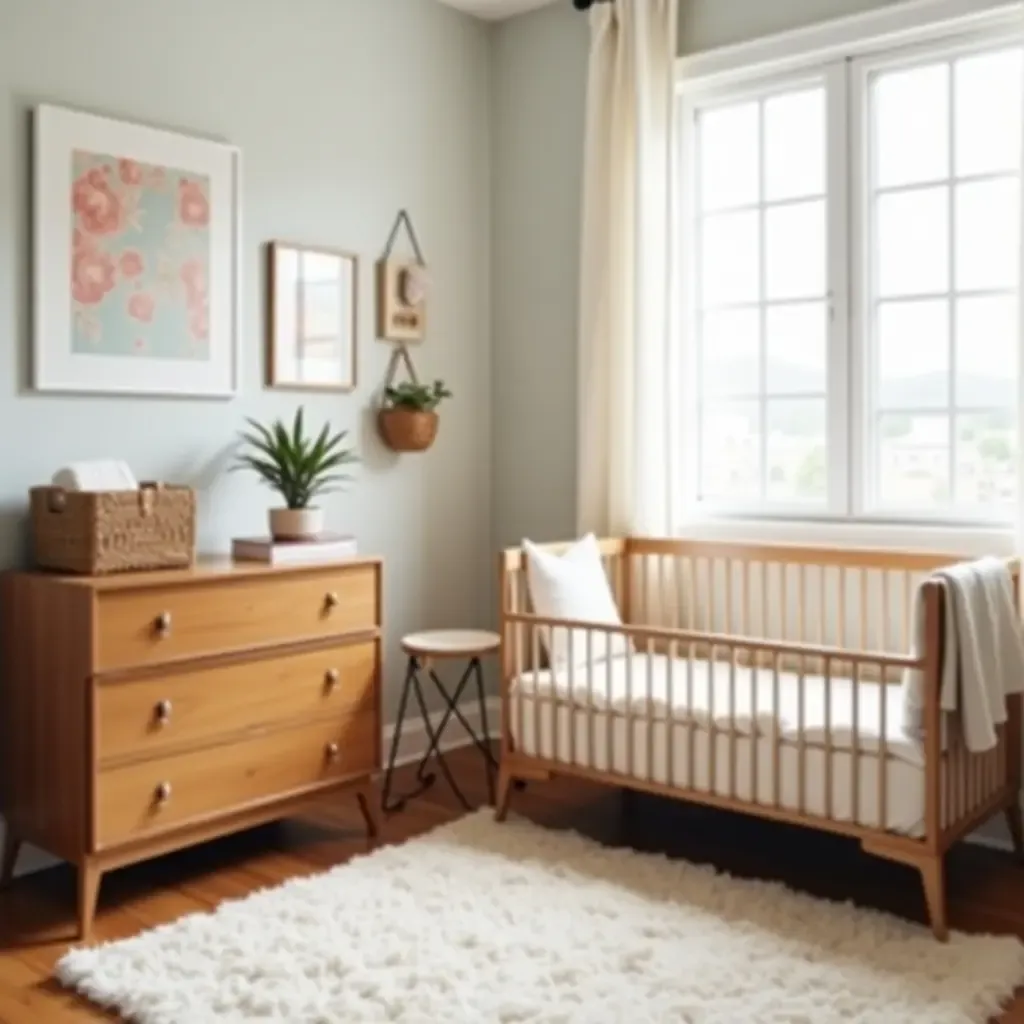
(986, 352)
(988, 112)
(731, 352)
(796, 450)
(913, 242)
(730, 268)
(794, 145)
(731, 451)
(913, 354)
(987, 233)
(795, 250)
(912, 125)
(729, 160)
(986, 452)
(796, 348)
(913, 463)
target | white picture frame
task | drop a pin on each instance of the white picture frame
(136, 267)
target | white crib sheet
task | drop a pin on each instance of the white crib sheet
(661, 683)
(600, 742)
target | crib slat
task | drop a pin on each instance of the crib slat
(746, 600)
(855, 740)
(591, 720)
(801, 719)
(841, 626)
(609, 719)
(823, 605)
(755, 747)
(828, 736)
(691, 753)
(670, 716)
(728, 595)
(801, 573)
(712, 727)
(862, 632)
(571, 710)
(883, 760)
(776, 737)
(650, 711)
(535, 661)
(732, 723)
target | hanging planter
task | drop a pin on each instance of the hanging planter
(408, 421)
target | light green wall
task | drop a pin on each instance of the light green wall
(345, 111)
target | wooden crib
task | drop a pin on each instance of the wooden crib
(764, 679)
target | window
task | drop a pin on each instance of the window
(851, 239)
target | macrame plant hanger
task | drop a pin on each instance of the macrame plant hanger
(401, 304)
(400, 353)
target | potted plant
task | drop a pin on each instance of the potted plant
(408, 421)
(299, 468)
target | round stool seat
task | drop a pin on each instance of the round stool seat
(451, 643)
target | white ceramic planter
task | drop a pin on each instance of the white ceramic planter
(296, 523)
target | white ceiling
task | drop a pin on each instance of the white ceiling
(495, 10)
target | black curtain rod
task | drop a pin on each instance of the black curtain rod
(584, 5)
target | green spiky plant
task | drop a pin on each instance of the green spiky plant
(418, 397)
(293, 463)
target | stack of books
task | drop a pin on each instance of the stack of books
(328, 547)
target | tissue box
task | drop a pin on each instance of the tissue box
(99, 532)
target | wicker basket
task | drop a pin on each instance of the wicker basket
(96, 533)
(408, 430)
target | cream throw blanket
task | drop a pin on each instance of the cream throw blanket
(982, 656)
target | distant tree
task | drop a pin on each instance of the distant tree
(810, 477)
(995, 447)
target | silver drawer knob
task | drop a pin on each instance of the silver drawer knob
(163, 793)
(163, 711)
(332, 750)
(163, 623)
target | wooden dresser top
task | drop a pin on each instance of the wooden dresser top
(207, 568)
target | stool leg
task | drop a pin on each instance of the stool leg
(450, 708)
(435, 744)
(411, 680)
(489, 760)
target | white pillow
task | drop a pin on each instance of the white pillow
(573, 585)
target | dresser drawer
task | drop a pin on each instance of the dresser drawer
(156, 624)
(139, 800)
(148, 717)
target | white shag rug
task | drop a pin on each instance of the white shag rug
(478, 922)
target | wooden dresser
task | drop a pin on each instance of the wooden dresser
(144, 712)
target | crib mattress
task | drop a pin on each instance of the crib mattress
(739, 699)
(740, 766)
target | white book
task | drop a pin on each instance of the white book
(330, 547)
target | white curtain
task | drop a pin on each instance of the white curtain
(626, 376)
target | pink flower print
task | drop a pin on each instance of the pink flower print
(193, 276)
(98, 208)
(131, 263)
(92, 274)
(193, 206)
(130, 171)
(141, 306)
(199, 322)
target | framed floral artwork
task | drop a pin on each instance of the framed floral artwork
(136, 268)
(311, 318)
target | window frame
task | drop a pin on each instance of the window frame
(842, 54)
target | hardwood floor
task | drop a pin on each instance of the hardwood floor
(36, 912)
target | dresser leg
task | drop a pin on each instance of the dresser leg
(12, 847)
(367, 798)
(89, 876)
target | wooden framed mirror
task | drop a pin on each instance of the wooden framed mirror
(311, 317)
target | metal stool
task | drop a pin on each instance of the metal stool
(423, 650)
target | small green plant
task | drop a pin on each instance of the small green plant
(419, 397)
(294, 464)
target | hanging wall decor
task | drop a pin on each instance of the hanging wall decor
(407, 418)
(136, 252)
(402, 289)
